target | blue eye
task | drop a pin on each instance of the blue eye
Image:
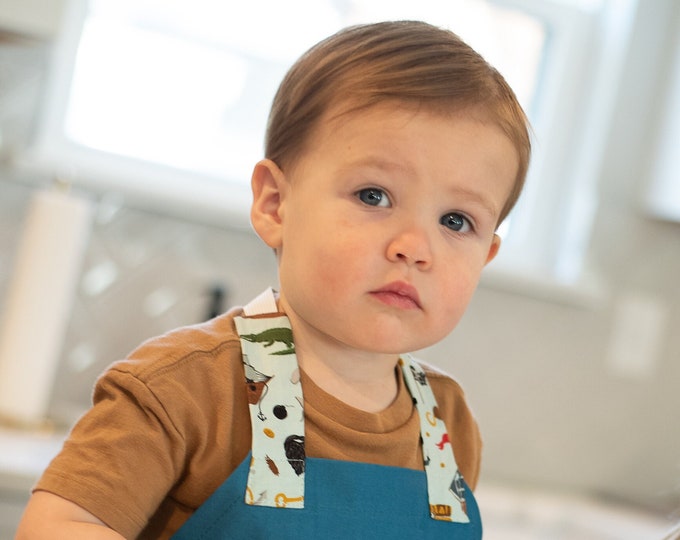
(374, 197)
(456, 222)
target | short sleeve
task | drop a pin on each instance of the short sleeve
(121, 458)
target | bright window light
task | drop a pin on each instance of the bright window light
(188, 85)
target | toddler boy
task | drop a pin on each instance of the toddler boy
(393, 152)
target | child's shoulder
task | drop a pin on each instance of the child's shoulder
(435, 373)
(188, 347)
(446, 389)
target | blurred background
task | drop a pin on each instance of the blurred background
(127, 135)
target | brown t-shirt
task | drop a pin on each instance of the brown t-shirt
(171, 423)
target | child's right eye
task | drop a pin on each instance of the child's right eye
(374, 197)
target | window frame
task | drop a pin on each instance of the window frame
(547, 252)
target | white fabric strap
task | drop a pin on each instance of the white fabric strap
(276, 477)
(262, 304)
(444, 483)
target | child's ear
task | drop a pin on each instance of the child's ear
(269, 186)
(493, 249)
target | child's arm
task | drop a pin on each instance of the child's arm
(52, 517)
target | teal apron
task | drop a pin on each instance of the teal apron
(279, 492)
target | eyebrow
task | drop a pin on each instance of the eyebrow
(477, 198)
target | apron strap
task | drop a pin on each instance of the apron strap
(445, 486)
(276, 476)
(277, 467)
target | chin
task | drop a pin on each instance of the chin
(396, 346)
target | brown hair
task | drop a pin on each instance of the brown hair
(408, 61)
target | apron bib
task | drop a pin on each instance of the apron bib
(278, 492)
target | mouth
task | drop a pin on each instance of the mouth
(398, 294)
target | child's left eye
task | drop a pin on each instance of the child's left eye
(374, 197)
(456, 222)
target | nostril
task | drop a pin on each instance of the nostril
(408, 252)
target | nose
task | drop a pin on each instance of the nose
(412, 247)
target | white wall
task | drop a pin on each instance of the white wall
(35, 18)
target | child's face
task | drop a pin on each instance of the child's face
(384, 225)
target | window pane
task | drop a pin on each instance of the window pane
(189, 84)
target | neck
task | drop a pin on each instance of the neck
(362, 385)
(361, 379)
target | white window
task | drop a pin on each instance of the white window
(583, 63)
(166, 101)
(664, 193)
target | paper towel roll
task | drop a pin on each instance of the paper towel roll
(39, 302)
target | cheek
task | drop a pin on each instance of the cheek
(456, 287)
(451, 312)
(341, 260)
(319, 250)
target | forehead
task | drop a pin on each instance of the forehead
(392, 119)
(449, 147)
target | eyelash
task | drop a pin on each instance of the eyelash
(464, 222)
(371, 195)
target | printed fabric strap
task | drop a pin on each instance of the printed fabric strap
(444, 482)
(277, 467)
